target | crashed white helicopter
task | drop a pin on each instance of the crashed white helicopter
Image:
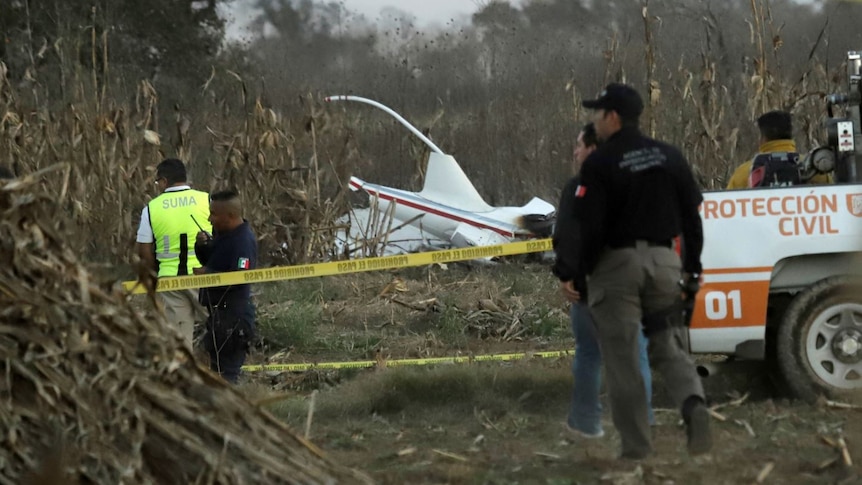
(448, 208)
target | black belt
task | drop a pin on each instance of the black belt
(653, 244)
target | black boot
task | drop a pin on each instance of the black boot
(696, 417)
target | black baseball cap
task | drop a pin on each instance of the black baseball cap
(620, 98)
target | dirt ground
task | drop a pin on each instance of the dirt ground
(502, 423)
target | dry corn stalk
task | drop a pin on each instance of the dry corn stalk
(108, 394)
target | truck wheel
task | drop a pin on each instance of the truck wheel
(819, 342)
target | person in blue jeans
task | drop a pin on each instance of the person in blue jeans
(585, 412)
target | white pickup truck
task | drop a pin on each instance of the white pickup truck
(781, 280)
(782, 275)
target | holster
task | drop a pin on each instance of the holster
(677, 315)
(231, 329)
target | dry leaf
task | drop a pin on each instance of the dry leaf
(297, 194)
(407, 451)
(152, 137)
(777, 42)
(654, 93)
(396, 285)
(488, 304)
(451, 455)
(550, 456)
(767, 469)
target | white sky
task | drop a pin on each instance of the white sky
(425, 11)
(440, 13)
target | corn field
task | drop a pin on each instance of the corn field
(290, 158)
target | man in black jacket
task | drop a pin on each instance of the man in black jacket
(585, 412)
(635, 196)
(230, 326)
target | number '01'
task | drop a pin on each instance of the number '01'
(716, 303)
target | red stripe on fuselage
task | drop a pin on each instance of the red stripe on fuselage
(436, 212)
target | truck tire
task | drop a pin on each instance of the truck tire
(819, 341)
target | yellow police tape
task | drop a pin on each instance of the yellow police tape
(363, 364)
(282, 273)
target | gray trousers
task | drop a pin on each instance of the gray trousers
(626, 285)
(183, 311)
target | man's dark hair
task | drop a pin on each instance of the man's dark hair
(632, 121)
(172, 170)
(224, 195)
(230, 199)
(589, 135)
(776, 125)
(5, 173)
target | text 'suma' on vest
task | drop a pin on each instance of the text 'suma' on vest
(174, 202)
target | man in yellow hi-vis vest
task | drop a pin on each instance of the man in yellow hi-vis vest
(166, 240)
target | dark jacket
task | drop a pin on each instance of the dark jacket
(235, 250)
(636, 188)
(567, 240)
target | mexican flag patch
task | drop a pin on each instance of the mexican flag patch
(243, 263)
(581, 191)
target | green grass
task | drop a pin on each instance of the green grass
(305, 290)
(291, 312)
(350, 317)
(293, 325)
(495, 388)
(520, 280)
(349, 344)
(549, 322)
(449, 326)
